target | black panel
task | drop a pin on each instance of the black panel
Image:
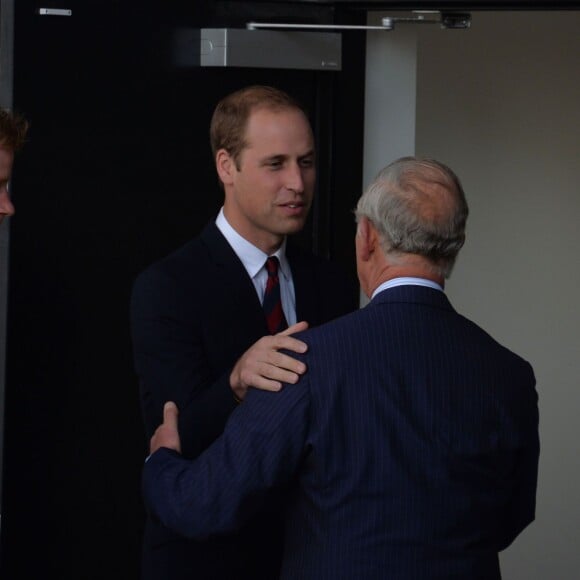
(116, 173)
(443, 4)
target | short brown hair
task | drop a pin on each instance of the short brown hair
(230, 117)
(13, 129)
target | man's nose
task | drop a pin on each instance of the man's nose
(6, 206)
(294, 178)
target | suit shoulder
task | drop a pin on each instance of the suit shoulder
(171, 278)
(334, 331)
(504, 350)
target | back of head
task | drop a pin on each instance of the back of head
(13, 130)
(229, 120)
(417, 206)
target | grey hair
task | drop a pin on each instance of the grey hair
(417, 206)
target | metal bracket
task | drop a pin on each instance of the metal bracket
(238, 47)
(454, 20)
(54, 12)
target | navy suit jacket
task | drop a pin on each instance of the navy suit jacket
(193, 314)
(411, 444)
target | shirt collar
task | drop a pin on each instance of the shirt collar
(251, 257)
(402, 281)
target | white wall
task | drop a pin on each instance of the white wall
(390, 99)
(500, 104)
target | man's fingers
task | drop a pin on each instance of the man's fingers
(265, 367)
(284, 340)
(270, 374)
(298, 327)
(281, 341)
(166, 434)
(283, 362)
(279, 368)
(170, 414)
(266, 384)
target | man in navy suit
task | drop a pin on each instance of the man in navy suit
(411, 443)
(199, 331)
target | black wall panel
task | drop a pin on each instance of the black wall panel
(116, 173)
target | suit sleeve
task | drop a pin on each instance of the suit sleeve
(522, 508)
(171, 363)
(261, 449)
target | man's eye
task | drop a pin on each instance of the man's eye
(308, 162)
(275, 164)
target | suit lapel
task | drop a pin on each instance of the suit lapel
(231, 283)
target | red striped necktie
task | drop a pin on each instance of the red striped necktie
(275, 318)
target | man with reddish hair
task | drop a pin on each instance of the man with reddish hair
(13, 130)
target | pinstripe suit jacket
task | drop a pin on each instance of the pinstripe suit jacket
(411, 445)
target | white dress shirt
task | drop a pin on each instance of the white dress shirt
(254, 261)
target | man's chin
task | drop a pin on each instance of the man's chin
(293, 227)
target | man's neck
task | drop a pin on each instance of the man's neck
(267, 242)
(394, 272)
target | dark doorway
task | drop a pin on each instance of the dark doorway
(116, 173)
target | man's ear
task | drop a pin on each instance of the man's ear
(367, 239)
(225, 166)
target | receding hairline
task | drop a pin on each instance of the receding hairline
(433, 197)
